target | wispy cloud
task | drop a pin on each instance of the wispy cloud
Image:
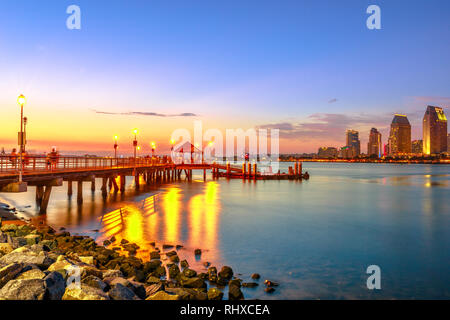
(328, 129)
(333, 100)
(149, 114)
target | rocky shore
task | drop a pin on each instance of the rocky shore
(40, 263)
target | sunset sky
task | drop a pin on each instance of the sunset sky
(310, 68)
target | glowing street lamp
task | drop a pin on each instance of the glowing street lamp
(153, 145)
(115, 146)
(135, 143)
(21, 101)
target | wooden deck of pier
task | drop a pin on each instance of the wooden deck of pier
(43, 174)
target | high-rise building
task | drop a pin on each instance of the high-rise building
(417, 146)
(353, 143)
(400, 135)
(434, 131)
(374, 144)
(448, 142)
(327, 152)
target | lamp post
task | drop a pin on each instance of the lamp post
(115, 146)
(135, 143)
(153, 148)
(21, 101)
(25, 120)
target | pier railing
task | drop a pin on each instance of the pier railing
(37, 163)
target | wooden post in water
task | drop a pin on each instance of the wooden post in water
(243, 170)
(204, 174)
(69, 188)
(39, 193)
(45, 199)
(136, 180)
(93, 184)
(113, 181)
(300, 169)
(249, 170)
(255, 172)
(228, 169)
(80, 192)
(122, 183)
(296, 170)
(104, 183)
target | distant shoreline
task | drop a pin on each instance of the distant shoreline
(378, 161)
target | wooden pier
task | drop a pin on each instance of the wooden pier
(112, 172)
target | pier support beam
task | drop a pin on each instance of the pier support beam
(69, 188)
(39, 194)
(45, 200)
(80, 192)
(112, 180)
(122, 181)
(93, 184)
(104, 186)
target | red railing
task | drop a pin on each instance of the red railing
(33, 163)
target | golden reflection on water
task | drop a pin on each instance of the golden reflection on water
(159, 218)
(171, 206)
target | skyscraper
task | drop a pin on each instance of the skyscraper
(400, 135)
(353, 143)
(374, 144)
(417, 146)
(448, 142)
(434, 131)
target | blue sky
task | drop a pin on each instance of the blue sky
(247, 63)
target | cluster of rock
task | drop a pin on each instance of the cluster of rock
(38, 263)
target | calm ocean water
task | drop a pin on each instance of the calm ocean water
(316, 238)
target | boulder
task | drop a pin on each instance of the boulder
(32, 239)
(84, 292)
(55, 285)
(212, 274)
(215, 294)
(9, 272)
(120, 292)
(171, 253)
(155, 255)
(256, 276)
(62, 265)
(184, 264)
(250, 284)
(31, 274)
(95, 282)
(17, 242)
(5, 248)
(9, 228)
(112, 274)
(174, 271)
(188, 294)
(3, 237)
(192, 282)
(235, 293)
(159, 272)
(153, 288)
(174, 259)
(151, 266)
(226, 273)
(162, 295)
(189, 273)
(87, 260)
(28, 289)
(25, 255)
(269, 289)
(152, 280)
(197, 252)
